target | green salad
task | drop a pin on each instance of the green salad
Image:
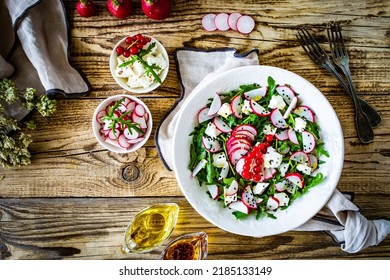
(256, 149)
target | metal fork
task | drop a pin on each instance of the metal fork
(319, 56)
(341, 59)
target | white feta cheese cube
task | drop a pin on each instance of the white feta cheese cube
(304, 168)
(300, 124)
(259, 188)
(219, 160)
(277, 102)
(138, 69)
(225, 110)
(246, 107)
(269, 129)
(212, 130)
(272, 159)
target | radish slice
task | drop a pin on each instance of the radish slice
(239, 206)
(122, 141)
(100, 115)
(140, 120)
(130, 106)
(199, 167)
(139, 110)
(215, 105)
(221, 125)
(130, 133)
(208, 22)
(126, 101)
(113, 135)
(135, 141)
(221, 22)
(203, 115)
(245, 24)
(214, 191)
(232, 20)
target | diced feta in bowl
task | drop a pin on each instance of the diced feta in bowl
(139, 63)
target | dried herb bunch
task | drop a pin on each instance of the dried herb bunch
(13, 142)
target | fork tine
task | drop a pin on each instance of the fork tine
(332, 40)
(336, 41)
(340, 38)
(305, 47)
(311, 43)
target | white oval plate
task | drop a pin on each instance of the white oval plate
(302, 209)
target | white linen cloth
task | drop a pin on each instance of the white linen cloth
(34, 48)
(340, 218)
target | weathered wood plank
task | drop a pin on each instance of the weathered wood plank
(93, 229)
(273, 20)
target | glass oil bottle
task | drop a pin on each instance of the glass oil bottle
(150, 228)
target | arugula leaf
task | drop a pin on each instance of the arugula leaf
(150, 69)
(115, 120)
(129, 62)
(271, 85)
(239, 215)
(144, 52)
(314, 181)
(320, 150)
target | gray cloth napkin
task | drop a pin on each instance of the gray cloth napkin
(340, 218)
(35, 50)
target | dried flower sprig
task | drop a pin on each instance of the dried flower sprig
(14, 143)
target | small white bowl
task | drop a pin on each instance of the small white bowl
(122, 81)
(96, 126)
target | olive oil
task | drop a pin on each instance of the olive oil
(151, 227)
(187, 247)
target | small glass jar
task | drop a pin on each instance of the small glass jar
(192, 246)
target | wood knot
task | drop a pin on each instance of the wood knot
(4, 251)
(130, 173)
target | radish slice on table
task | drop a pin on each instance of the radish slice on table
(221, 22)
(232, 20)
(208, 22)
(245, 24)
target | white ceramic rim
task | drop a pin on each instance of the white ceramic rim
(305, 207)
(96, 126)
(122, 82)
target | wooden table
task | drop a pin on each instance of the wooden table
(76, 198)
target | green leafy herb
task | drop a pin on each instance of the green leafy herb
(115, 120)
(14, 144)
(150, 69)
(240, 215)
(271, 85)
